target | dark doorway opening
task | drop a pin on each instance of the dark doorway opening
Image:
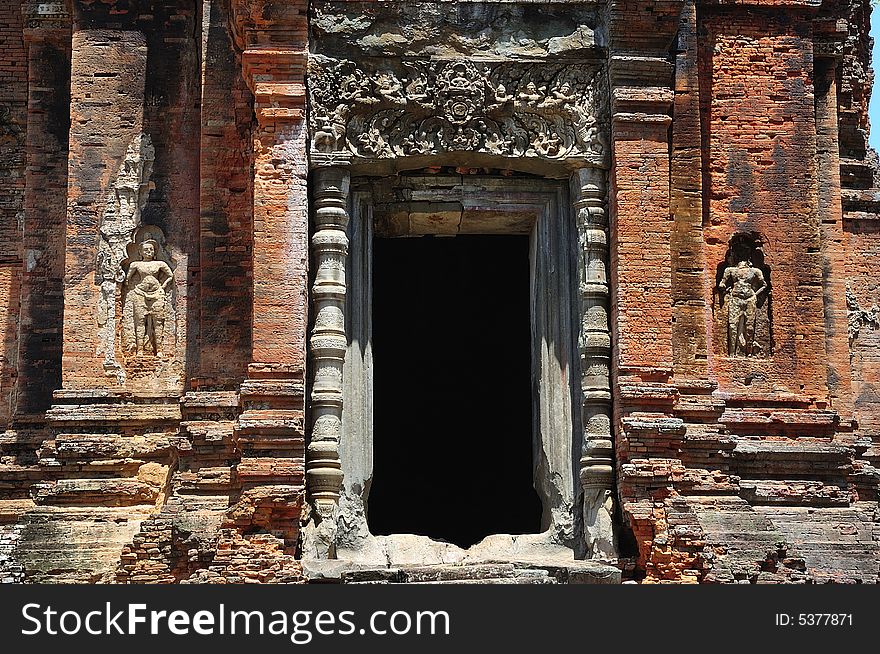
(452, 393)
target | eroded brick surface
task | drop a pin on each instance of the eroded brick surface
(724, 122)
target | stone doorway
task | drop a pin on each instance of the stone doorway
(536, 211)
(462, 140)
(452, 388)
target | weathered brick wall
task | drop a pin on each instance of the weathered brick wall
(861, 231)
(226, 170)
(760, 447)
(133, 72)
(863, 260)
(108, 73)
(726, 119)
(172, 118)
(759, 149)
(13, 122)
(45, 215)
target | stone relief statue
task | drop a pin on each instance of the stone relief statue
(119, 222)
(148, 294)
(743, 287)
(546, 111)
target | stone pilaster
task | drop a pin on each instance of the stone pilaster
(686, 207)
(834, 238)
(108, 74)
(641, 75)
(271, 37)
(597, 459)
(47, 35)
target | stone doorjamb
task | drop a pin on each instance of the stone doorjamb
(339, 464)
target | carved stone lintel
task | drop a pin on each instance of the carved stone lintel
(386, 110)
(597, 458)
(40, 16)
(328, 346)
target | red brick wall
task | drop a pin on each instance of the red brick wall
(108, 70)
(863, 262)
(13, 120)
(141, 76)
(760, 176)
(226, 206)
(686, 208)
(45, 219)
(172, 118)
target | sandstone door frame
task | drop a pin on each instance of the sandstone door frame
(556, 214)
(538, 208)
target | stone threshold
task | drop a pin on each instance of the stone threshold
(533, 572)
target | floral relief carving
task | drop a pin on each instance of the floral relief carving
(545, 111)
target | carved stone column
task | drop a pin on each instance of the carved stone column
(597, 463)
(328, 345)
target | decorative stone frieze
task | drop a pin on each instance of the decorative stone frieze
(46, 15)
(384, 110)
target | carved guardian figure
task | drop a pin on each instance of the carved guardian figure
(742, 285)
(148, 284)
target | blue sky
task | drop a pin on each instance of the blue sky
(874, 111)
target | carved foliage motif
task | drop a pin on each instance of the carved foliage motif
(46, 15)
(546, 111)
(858, 317)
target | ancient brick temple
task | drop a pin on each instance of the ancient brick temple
(512, 291)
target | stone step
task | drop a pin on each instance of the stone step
(123, 413)
(791, 459)
(699, 407)
(87, 447)
(20, 446)
(478, 572)
(531, 581)
(839, 545)
(767, 421)
(437, 573)
(96, 492)
(793, 493)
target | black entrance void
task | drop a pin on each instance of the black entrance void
(452, 394)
